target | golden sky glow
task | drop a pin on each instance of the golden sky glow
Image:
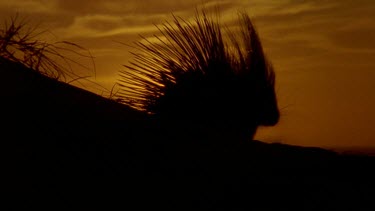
(323, 54)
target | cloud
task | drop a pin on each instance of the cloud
(27, 6)
(114, 18)
(357, 38)
(332, 21)
(130, 6)
(106, 26)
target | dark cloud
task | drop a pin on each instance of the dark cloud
(103, 25)
(356, 38)
(36, 12)
(118, 7)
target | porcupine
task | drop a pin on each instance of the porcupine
(202, 77)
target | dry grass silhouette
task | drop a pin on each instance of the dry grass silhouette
(194, 73)
(20, 42)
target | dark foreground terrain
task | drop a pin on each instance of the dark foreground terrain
(66, 148)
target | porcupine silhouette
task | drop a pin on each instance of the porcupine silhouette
(204, 76)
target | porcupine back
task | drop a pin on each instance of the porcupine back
(204, 76)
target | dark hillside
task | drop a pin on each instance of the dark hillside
(67, 148)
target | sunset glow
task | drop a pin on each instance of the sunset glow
(322, 52)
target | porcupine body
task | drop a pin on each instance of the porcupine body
(204, 76)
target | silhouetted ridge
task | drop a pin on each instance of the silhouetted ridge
(31, 91)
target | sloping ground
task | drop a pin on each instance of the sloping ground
(67, 148)
(38, 111)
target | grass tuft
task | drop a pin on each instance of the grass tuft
(19, 42)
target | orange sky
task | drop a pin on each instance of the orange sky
(323, 52)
